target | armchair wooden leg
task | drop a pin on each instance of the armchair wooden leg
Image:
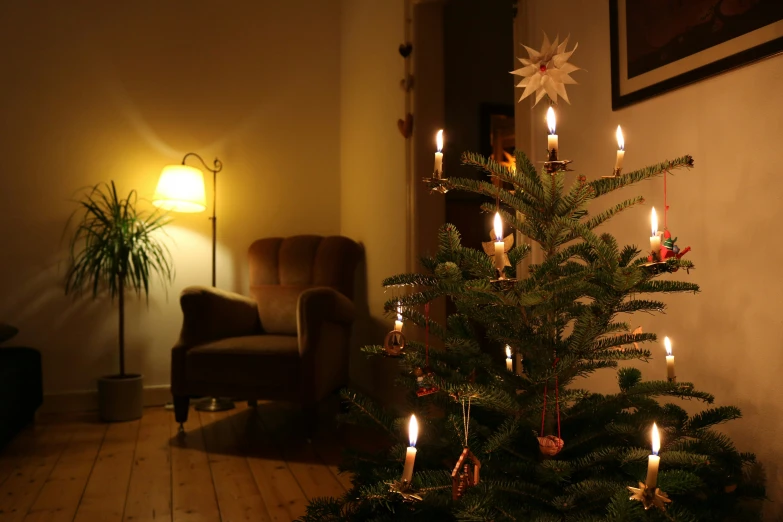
(181, 408)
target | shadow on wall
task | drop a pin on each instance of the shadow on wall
(373, 376)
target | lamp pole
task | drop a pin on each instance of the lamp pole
(212, 403)
(217, 167)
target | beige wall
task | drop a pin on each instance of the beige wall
(116, 90)
(728, 338)
(372, 165)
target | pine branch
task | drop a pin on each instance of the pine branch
(605, 185)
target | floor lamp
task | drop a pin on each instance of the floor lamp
(181, 189)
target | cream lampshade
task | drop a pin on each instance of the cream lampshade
(181, 189)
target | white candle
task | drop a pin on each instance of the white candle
(669, 359)
(410, 455)
(500, 246)
(398, 322)
(551, 141)
(509, 360)
(654, 460)
(655, 239)
(618, 164)
(439, 154)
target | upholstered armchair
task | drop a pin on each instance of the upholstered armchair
(288, 341)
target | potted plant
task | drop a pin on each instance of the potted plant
(115, 249)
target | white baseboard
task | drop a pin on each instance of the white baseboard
(88, 400)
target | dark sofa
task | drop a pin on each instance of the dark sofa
(21, 389)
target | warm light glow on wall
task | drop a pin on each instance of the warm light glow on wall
(181, 189)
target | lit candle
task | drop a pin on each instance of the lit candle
(551, 141)
(398, 322)
(410, 456)
(439, 154)
(500, 246)
(654, 461)
(618, 164)
(509, 360)
(655, 238)
(669, 360)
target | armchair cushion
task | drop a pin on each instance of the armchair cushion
(211, 314)
(276, 307)
(246, 361)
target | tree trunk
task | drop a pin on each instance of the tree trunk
(121, 288)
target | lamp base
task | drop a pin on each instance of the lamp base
(215, 404)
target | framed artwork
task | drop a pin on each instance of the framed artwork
(660, 45)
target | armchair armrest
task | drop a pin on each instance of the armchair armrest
(319, 305)
(210, 314)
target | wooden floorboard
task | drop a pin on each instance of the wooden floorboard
(60, 496)
(20, 490)
(280, 490)
(238, 496)
(107, 487)
(286, 427)
(193, 492)
(149, 491)
(241, 465)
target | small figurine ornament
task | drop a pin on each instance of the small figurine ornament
(489, 247)
(668, 249)
(465, 474)
(394, 343)
(550, 445)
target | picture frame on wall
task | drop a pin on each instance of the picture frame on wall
(661, 45)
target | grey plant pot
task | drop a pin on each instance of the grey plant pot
(121, 398)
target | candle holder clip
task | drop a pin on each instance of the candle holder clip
(672, 379)
(615, 174)
(649, 497)
(556, 166)
(437, 183)
(405, 490)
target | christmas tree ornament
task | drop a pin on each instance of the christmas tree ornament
(551, 445)
(670, 376)
(662, 245)
(410, 454)
(498, 248)
(425, 375)
(465, 474)
(553, 164)
(466, 471)
(437, 183)
(547, 72)
(637, 331)
(647, 492)
(394, 343)
(618, 164)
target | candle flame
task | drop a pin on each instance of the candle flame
(498, 227)
(656, 440)
(413, 430)
(439, 140)
(620, 140)
(508, 352)
(551, 121)
(668, 344)
(654, 222)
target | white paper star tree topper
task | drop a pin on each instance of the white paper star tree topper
(547, 71)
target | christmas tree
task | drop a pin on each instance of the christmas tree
(519, 439)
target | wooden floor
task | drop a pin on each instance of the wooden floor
(232, 466)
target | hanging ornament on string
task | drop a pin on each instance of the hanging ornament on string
(550, 445)
(467, 470)
(394, 343)
(425, 375)
(662, 245)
